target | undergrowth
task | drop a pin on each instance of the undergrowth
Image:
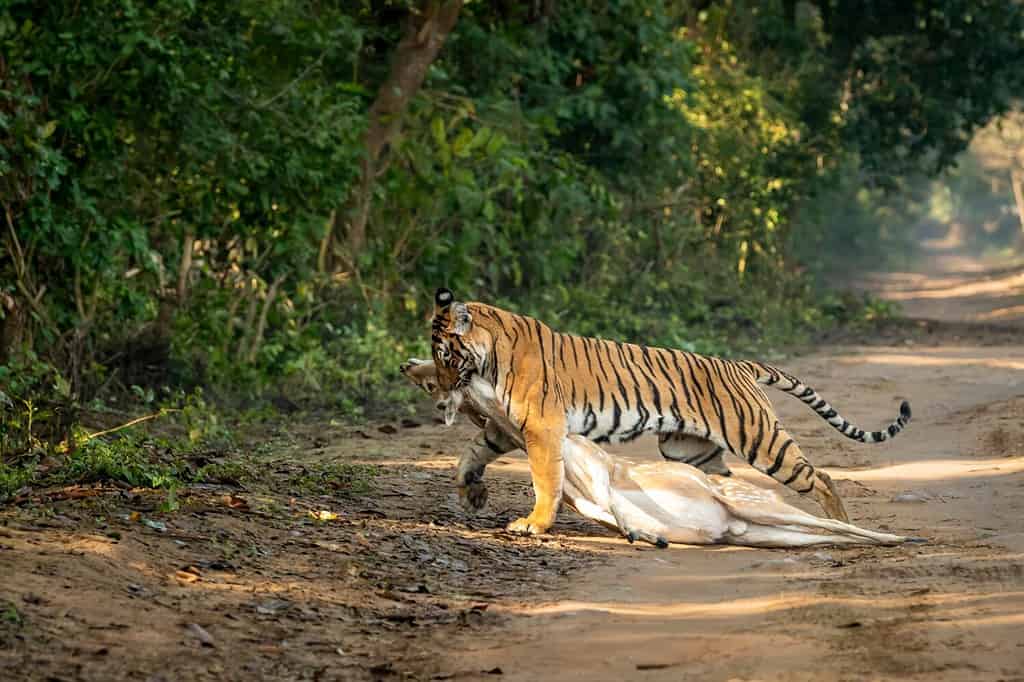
(186, 441)
(140, 460)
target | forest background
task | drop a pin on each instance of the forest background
(244, 207)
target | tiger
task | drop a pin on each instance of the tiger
(552, 384)
(661, 503)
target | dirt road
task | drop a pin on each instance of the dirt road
(244, 583)
(952, 609)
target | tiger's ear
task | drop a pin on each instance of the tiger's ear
(462, 319)
(443, 298)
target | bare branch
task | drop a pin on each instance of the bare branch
(185, 266)
(257, 339)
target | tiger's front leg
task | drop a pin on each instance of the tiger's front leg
(544, 452)
(489, 444)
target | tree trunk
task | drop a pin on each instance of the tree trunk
(12, 327)
(185, 266)
(1017, 185)
(425, 33)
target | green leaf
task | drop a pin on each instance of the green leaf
(61, 386)
(437, 130)
(462, 141)
(495, 144)
(479, 138)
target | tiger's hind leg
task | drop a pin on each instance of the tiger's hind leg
(778, 455)
(696, 451)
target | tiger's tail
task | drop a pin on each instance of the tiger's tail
(772, 376)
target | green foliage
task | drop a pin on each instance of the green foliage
(132, 457)
(856, 310)
(177, 180)
(131, 460)
(924, 75)
(372, 353)
(202, 422)
(35, 406)
(165, 126)
(135, 461)
(591, 79)
(12, 479)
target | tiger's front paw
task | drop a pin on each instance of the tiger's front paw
(528, 526)
(470, 484)
(473, 497)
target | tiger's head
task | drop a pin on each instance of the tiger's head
(459, 347)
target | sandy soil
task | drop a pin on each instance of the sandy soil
(956, 287)
(245, 584)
